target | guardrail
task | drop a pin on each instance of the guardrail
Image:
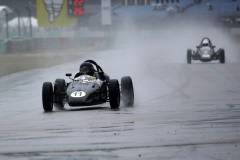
(23, 45)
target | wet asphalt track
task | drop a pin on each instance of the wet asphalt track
(181, 112)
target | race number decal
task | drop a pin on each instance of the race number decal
(77, 94)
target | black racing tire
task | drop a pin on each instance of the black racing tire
(189, 56)
(59, 86)
(221, 55)
(47, 96)
(127, 91)
(114, 93)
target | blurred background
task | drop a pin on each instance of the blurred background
(25, 25)
(72, 26)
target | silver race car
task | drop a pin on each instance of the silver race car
(205, 52)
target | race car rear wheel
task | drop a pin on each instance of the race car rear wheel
(47, 96)
(114, 93)
(127, 91)
(221, 55)
(189, 56)
(59, 86)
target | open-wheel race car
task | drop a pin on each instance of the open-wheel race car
(90, 86)
(205, 52)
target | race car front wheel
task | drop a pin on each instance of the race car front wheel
(114, 93)
(189, 56)
(47, 96)
(59, 86)
(127, 91)
(221, 55)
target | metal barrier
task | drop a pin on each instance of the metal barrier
(24, 45)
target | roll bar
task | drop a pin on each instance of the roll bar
(99, 69)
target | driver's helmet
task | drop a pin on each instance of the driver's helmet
(86, 67)
(205, 42)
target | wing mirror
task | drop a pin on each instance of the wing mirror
(68, 74)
